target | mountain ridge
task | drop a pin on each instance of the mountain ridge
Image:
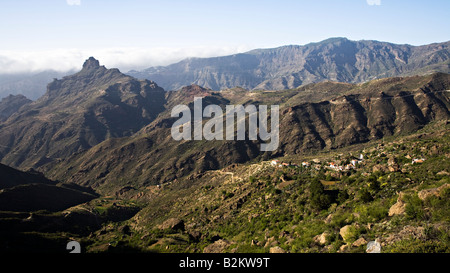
(78, 112)
(291, 66)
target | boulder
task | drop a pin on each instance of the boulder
(393, 165)
(322, 238)
(343, 248)
(361, 241)
(379, 167)
(399, 207)
(392, 161)
(346, 232)
(329, 218)
(217, 247)
(276, 249)
(271, 242)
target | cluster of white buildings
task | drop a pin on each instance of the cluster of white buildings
(352, 165)
(277, 163)
(331, 165)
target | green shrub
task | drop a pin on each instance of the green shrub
(341, 219)
(414, 207)
(418, 246)
(440, 206)
(342, 196)
(319, 199)
(365, 195)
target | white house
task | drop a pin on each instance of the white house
(275, 163)
(418, 160)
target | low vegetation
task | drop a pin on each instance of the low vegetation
(314, 208)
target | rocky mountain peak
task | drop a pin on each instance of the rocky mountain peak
(91, 63)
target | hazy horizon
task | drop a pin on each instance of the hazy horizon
(60, 34)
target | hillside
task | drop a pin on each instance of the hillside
(41, 215)
(32, 191)
(395, 191)
(11, 104)
(335, 59)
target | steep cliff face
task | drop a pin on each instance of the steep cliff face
(78, 112)
(349, 120)
(374, 110)
(335, 59)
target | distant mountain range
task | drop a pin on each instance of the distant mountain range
(286, 67)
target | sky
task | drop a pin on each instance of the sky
(137, 34)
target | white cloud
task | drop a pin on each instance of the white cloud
(73, 2)
(374, 2)
(123, 58)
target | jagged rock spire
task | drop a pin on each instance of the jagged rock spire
(91, 63)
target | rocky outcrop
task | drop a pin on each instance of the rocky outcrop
(399, 207)
(424, 194)
(91, 63)
(276, 249)
(321, 238)
(360, 242)
(217, 247)
(345, 232)
(416, 232)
